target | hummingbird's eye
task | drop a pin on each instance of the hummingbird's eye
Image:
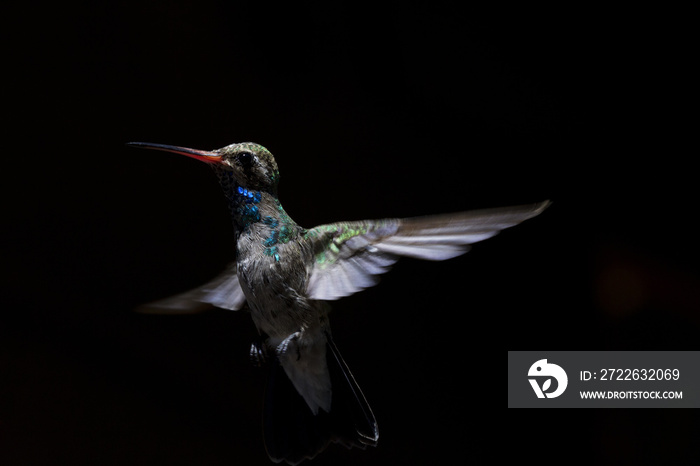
(245, 159)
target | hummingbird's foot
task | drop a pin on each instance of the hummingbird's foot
(258, 355)
(283, 347)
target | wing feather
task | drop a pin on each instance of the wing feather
(350, 255)
(224, 291)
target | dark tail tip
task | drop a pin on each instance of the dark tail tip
(293, 433)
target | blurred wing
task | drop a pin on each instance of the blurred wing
(350, 255)
(224, 291)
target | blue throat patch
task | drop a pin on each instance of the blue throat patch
(246, 211)
(245, 205)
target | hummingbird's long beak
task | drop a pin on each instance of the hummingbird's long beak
(203, 155)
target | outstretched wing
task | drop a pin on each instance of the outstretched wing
(350, 255)
(224, 291)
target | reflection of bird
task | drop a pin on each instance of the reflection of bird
(285, 273)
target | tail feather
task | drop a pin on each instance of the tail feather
(293, 433)
(349, 401)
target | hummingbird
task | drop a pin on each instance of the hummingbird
(285, 274)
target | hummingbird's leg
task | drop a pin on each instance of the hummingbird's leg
(283, 347)
(258, 353)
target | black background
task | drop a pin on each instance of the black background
(399, 110)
